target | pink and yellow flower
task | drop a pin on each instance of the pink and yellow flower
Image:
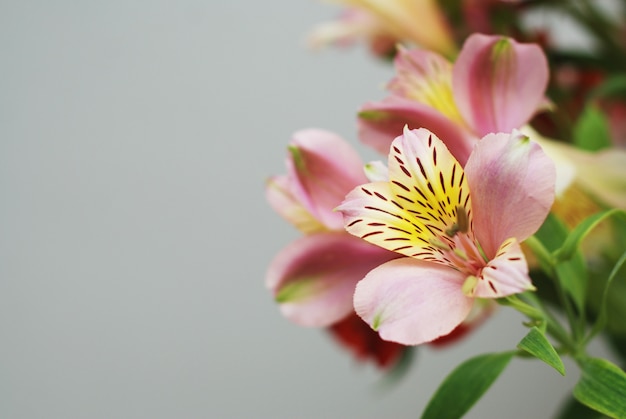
(313, 278)
(460, 229)
(420, 22)
(495, 85)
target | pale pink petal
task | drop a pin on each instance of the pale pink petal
(498, 84)
(425, 77)
(512, 186)
(411, 302)
(504, 275)
(313, 278)
(380, 123)
(351, 26)
(323, 168)
(284, 203)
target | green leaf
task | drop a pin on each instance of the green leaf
(536, 344)
(466, 385)
(572, 275)
(602, 387)
(552, 232)
(591, 131)
(573, 240)
(572, 408)
(614, 86)
(602, 309)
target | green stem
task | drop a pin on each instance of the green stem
(547, 261)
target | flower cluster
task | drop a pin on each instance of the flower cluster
(505, 184)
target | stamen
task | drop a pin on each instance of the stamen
(439, 244)
(451, 232)
(462, 221)
(469, 286)
(461, 254)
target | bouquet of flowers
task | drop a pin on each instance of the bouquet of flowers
(504, 183)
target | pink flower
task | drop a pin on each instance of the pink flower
(313, 278)
(355, 25)
(495, 85)
(461, 229)
(420, 22)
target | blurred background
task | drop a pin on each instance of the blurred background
(135, 139)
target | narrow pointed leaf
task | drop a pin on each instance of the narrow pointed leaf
(602, 310)
(602, 387)
(536, 344)
(466, 385)
(572, 242)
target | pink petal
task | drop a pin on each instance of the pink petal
(511, 181)
(498, 83)
(284, 203)
(313, 278)
(324, 168)
(504, 275)
(411, 301)
(380, 123)
(420, 75)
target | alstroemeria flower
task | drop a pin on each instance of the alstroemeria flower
(313, 278)
(461, 228)
(495, 85)
(420, 22)
(355, 25)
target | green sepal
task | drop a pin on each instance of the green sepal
(602, 387)
(536, 344)
(464, 386)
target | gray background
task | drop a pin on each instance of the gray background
(135, 138)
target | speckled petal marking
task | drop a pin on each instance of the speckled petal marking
(416, 212)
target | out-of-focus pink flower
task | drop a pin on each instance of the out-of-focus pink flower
(495, 85)
(460, 229)
(420, 22)
(355, 25)
(313, 278)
